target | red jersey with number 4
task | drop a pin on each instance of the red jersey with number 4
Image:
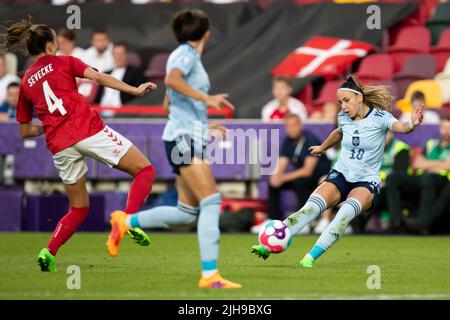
(49, 86)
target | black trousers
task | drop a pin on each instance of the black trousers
(402, 188)
(303, 188)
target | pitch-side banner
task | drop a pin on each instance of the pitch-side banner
(246, 43)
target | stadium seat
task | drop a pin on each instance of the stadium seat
(376, 67)
(430, 88)
(441, 51)
(416, 67)
(305, 95)
(134, 59)
(156, 69)
(439, 22)
(327, 93)
(410, 40)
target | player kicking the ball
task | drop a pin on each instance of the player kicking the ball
(73, 131)
(354, 180)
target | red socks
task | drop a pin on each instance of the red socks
(140, 189)
(66, 227)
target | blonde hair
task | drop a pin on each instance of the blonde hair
(378, 97)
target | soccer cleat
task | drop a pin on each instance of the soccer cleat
(139, 236)
(260, 251)
(307, 262)
(46, 261)
(118, 230)
(216, 281)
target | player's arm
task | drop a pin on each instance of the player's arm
(166, 103)
(334, 137)
(423, 163)
(407, 127)
(306, 171)
(28, 130)
(109, 81)
(176, 81)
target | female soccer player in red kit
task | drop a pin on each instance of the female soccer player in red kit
(73, 131)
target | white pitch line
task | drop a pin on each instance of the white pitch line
(256, 295)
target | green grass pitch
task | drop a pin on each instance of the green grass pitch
(411, 268)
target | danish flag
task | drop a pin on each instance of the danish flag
(323, 56)
(112, 136)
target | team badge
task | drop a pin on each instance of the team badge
(355, 141)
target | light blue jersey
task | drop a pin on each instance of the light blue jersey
(363, 145)
(187, 116)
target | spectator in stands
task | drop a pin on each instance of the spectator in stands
(67, 44)
(307, 170)
(396, 159)
(122, 71)
(99, 55)
(9, 107)
(283, 103)
(429, 116)
(5, 78)
(431, 178)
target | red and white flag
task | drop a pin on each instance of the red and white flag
(323, 56)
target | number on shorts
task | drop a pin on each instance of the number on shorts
(53, 102)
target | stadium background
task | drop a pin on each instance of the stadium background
(248, 40)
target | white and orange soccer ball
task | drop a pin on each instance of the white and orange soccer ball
(275, 236)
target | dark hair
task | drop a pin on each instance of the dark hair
(291, 115)
(190, 25)
(286, 80)
(101, 31)
(417, 95)
(378, 97)
(36, 36)
(121, 44)
(13, 84)
(67, 33)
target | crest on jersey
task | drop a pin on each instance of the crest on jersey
(355, 141)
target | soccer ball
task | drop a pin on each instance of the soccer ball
(275, 236)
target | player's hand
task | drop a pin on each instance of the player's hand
(417, 115)
(144, 88)
(217, 130)
(218, 101)
(316, 151)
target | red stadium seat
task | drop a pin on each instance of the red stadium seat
(441, 52)
(134, 59)
(328, 93)
(156, 69)
(416, 67)
(376, 67)
(410, 41)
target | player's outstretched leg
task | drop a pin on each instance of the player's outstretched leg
(315, 205)
(118, 230)
(163, 217)
(349, 210)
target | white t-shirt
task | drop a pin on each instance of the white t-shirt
(294, 105)
(102, 62)
(4, 83)
(111, 97)
(77, 53)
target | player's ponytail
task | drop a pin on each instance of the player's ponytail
(379, 97)
(36, 36)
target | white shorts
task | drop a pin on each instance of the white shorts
(107, 146)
